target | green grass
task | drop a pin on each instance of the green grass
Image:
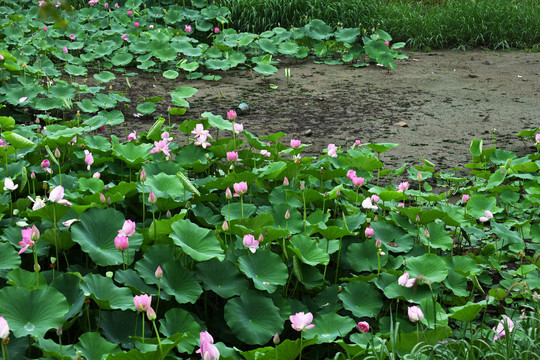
(495, 24)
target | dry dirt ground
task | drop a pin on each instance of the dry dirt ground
(432, 105)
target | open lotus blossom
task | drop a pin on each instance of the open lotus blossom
(405, 281)
(65, 50)
(265, 153)
(368, 204)
(363, 326)
(187, 28)
(201, 141)
(358, 181)
(161, 146)
(537, 138)
(88, 159)
(4, 328)
(57, 196)
(251, 243)
(351, 174)
(45, 165)
(142, 302)
(200, 131)
(375, 198)
(500, 331)
(72, 37)
(487, 217)
(125, 38)
(132, 136)
(231, 115)
(232, 156)
(415, 313)
(295, 144)
(9, 185)
(332, 150)
(465, 198)
(69, 222)
(23, 99)
(38, 203)
(301, 321)
(240, 188)
(128, 229)
(369, 232)
(136, 24)
(402, 186)
(208, 350)
(29, 236)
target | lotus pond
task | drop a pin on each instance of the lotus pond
(234, 245)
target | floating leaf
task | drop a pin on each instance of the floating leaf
(199, 243)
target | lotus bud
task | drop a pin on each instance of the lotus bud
(57, 153)
(287, 214)
(225, 226)
(378, 243)
(33, 176)
(285, 181)
(152, 199)
(276, 339)
(426, 233)
(302, 185)
(159, 273)
(151, 314)
(109, 200)
(228, 194)
(168, 214)
(143, 175)
(102, 198)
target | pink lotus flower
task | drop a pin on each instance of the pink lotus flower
(378, 243)
(369, 231)
(487, 217)
(57, 196)
(500, 331)
(161, 146)
(45, 28)
(152, 199)
(151, 314)
(357, 142)
(265, 153)
(96, 175)
(358, 181)
(69, 222)
(29, 236)
(232, 156)
(4, 328)
(537, 138)
(199, 131)
(375, 198)
(128, 229)
(38, 203)
(136, 24)
(295, 144)
(287, 214)
(251, 243)
(228, 194)
(187, 28)
(465, 198)
(106, 5)
(159, 272)
(301, 321)
(363, 326)
(208, 350)
(42, 3)
(332, 150)
(116, 5)
(240, 188)
(419, 176)
(143, 175)
(405, 281)
(231, 115)
(129, 12)
(201, 141)
(285, 181)
(387, 43)
(351, 174)
(72, 37)
(121, 242)
(88, 159)
(402, 205)
(402, 186)
(142, 302)
(65, 50)
(238, 128)
(45, 165)
(125, 37)
(216, 30)
(426, 233)
(225, 226)
(415, 313)
(150, 27)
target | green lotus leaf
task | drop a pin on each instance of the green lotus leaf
(104, 76)
(88, 106)
(146, 108)
(199, 243)
(154, 256)
(430, 266)
(133, 154)
(122, 59)
(178, 320)
(62, 91)
(33, 312)
(223, 278)
(165, 186)
(438, 237)
(253, 318)
(265, 268)
(233, 211)
(266, 69)
(18, 141)
(467, 312)
(318, 30)
(478, 204)
(170, 74)
(51, 349)
(288, 48)
(9, 259)
(371, 303)
(48, 104)
(217, 64)
(117, 326)
(68, 285)
(24, 279)
(106, 294)
(268, 46)
(183, 92)
(179, 282)
(189, 66)
(364, 256)
(105, 101)
(7, 121)
(94, 347)
(308, 250)
(347, 35)
(146, 65)
(95, 233)
(75, 70)
(329, 327)
(132, 279)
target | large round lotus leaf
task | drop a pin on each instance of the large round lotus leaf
(391, 233)
(467, 312)
(192, 51)
(165, 186)
(362, 299)
(318, 30)
(217, 64)
(364, 256)
(268, 46)
(33, 312)
(118, 326)
(88, 106)
(170, 74)
(106, 294)
(478, 204)
(133, 154)
(199, 243)
(146, 108)
(179, 320)
(431, 266)
(48, 104)
(266, 69)
(183, 92)
(68, 285)
(347, 35)
(179, 282)
(288, 48)
(375, 47)
(75, 70)
(265, 268)
(9, 259)
(329, 327)
(94, 347)
(146, 65)
(253, 318)
(438, 237)
(104, 76)
(308, 251)
(122, 59)
(386, 59)
(104, 101)
(191, 66)
(114, 117)
(223, 278)
(62, 91)
(154, 256)
(95, 233)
